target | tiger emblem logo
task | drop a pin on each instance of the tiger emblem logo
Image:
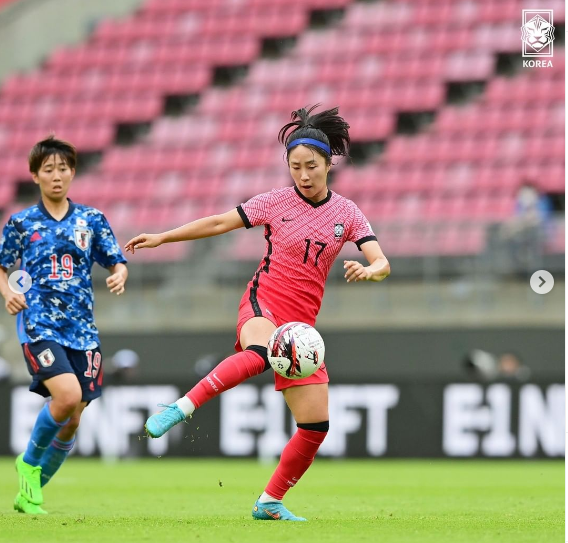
(537, 35)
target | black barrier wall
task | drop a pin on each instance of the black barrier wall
(387, 419)
(358, 355)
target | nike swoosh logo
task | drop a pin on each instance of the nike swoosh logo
(286, 220)
(275, 516)
(215, 375)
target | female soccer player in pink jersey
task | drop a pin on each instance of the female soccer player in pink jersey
(305, 228)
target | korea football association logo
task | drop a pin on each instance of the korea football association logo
(338, 230)
(82, 238)
(537, 33)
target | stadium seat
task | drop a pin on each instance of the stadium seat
(433, 191)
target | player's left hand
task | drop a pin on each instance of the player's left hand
(355, 271)
(115, 283)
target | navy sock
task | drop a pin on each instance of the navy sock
(45, 429)
(53, 457)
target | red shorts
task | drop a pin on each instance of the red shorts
(264, 309)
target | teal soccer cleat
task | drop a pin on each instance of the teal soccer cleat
(157, 425)
(272, 511)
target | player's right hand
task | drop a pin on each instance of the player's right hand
(143, 241)
(15, 303)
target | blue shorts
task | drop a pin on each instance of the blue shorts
(46, 359)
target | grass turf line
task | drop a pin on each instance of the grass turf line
(209, 501)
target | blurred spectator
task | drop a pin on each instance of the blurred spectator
(510, 366)
(524, 235)
(206, 363)
(5, 370)
(123, 366)
(481, 364)
(489, 367)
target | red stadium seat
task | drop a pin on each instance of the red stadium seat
(469, 66)
(431, 192)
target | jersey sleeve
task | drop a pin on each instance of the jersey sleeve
(255, 211)
(360, 231)
(11, 245)
(106, 250)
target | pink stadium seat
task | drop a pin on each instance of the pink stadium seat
(525, 90)
(141, 28)
(372, 126)
(467, 240)
(433, 192)
(438, 40)
(176, 7)
(198, 187)
(482, 119)
(500, 37)
(221, 50)
(248, 157)
(266, 23)
(469, 66)
(556, 243)
(331, 44)
(549, 176)
(414, 68)
(491, 178)
(378, 16)
(545, 149)
(4, 3)
(86, 137)
(428, 15)
(7, 194)
(186, 130)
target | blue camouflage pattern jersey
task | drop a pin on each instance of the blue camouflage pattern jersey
(59, 256)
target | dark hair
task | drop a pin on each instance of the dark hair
(326, 126)
(48, 147)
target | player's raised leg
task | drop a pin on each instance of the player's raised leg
(309, 405)
(235, 369)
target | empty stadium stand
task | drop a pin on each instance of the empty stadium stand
(435, 191)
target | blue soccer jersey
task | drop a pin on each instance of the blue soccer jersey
(59, 256)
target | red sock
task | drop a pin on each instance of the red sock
(227, 374)
(295, 459)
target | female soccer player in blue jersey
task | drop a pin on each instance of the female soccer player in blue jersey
(57, 241)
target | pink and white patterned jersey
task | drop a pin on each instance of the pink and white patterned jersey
(303, 239)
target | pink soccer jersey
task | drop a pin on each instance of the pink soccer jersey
(303, 240)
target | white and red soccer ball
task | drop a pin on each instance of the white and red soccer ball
(296, 350)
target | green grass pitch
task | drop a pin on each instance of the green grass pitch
(388, 501)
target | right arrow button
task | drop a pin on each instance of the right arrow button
(542, 282)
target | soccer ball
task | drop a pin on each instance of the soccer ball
(295, 350)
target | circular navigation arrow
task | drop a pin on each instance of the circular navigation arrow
(20, 281)
(542, 281)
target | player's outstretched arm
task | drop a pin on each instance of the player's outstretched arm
(117, 278)
(14, 302)
(377, 270)
(201, 228)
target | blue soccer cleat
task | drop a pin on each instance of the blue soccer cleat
(157, 425)
(272, 511)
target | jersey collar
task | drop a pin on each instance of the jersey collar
(314, 204)
(44, 210)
